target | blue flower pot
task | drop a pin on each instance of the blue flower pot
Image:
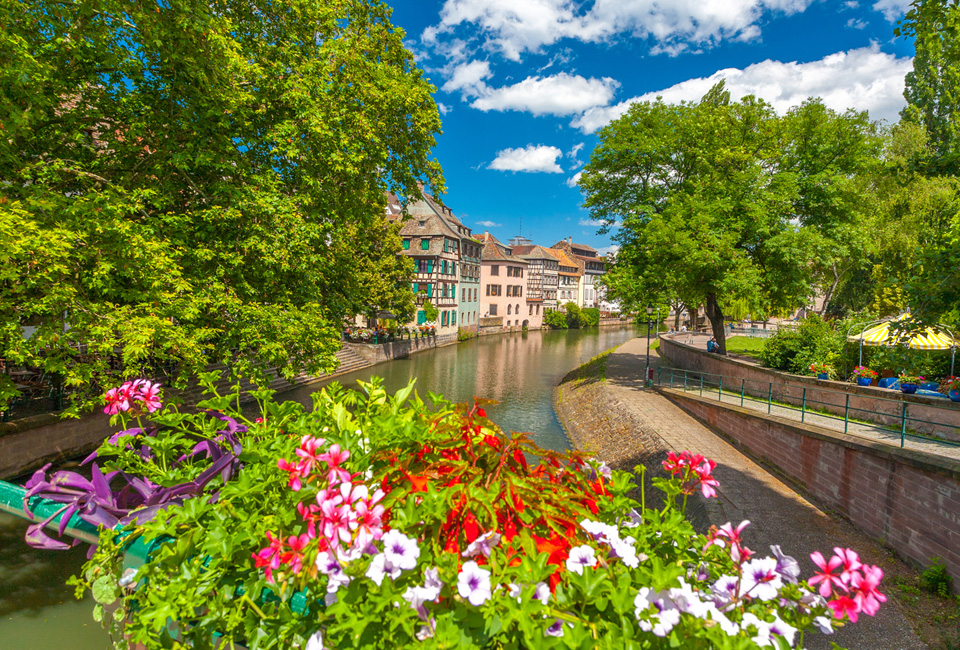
(823, 375)
(863, 381)
(954, 395)
(909, 388)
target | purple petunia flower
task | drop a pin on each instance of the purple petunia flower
(400, 551)
(580, 557)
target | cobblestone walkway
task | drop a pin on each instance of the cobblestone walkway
(748, 491)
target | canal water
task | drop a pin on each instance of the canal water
(520, 371)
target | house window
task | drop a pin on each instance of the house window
(508, 310)
(517, 309)
(453, 268)
(538, 310)
(425, 244)
(531, 310)
(406, 244)
(446, 245)
(453, 318)
(495, 269)
(443, 267)
(493, 310)
(443, 319)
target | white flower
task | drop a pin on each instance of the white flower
(760, 579)
(666, 616)
(824, 624)
(626, 552)
(634, 520)
(473, 583)
(725, 590)
(380, 567)
(542, 592)
(766, 631)
(400, 551)
(580, 557)
(315, 642)
(514, 591)
(600, 530)
(688, 601)
(483, 544)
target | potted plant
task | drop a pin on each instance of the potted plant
(910, 383)
(864, 375)
(821, 370)
(951, 386)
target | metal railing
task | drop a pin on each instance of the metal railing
(801, 400)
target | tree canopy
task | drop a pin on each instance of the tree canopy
(722, 201)
(186, 182)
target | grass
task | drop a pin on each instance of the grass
(747, 346)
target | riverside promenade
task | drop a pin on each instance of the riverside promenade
(622, 422)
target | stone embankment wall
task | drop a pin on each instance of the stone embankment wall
(878, 405)
(910, 500)
(598, 424)
(381, 352)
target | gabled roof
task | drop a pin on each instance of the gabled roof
(438, 220)
(535, 252)
(566, 260)
(493, 250)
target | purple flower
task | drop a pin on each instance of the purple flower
(787, 567)
(542, 592)
(400, 551)
(473, 583)
(380, 567)
(580, 557)
(725, 590)
(556, 629)
(660, 622)
(483, 544)
(429, 592)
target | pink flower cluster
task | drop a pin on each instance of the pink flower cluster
(854, 585)
(138, 395)
(345, 520)
(694, 470)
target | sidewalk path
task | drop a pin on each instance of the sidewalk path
(747, 491)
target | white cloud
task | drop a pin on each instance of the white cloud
(573, 180)
(864, 79)
(468, 78)
(612, 249)
(576, 149)
(892, 9)
(489, 224)
(856, 23)
(597, 223)
(560, 94)
(532, 158)
(513, 27)
(443, 108)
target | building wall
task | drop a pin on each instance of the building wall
(468, 294)
(503, 304)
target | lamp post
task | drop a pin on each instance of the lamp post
(646, 373)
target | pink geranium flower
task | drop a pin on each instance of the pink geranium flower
(826, 577)
(269, 557)
(148, 394)
(844, 605)
(333, 458)
(117, 400)
(865, 587)
(851, 562)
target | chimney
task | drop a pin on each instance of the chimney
(569, 240)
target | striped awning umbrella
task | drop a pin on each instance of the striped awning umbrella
(928, 338)
(934, 337)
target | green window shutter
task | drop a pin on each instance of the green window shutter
(416, 287)
(421, 317)
(444, 244)
(453, 318)
(429, 266)
(425, 244)
(406, 244)
(429, 290)
(443, 266)
(454, 268)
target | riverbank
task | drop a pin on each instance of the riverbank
(606, 411)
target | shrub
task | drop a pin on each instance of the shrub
(936, 579)
(555, 319)
(574, 317)
(590, 317)
(795, 350)
(375, 521)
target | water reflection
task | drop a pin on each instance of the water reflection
(520, 371)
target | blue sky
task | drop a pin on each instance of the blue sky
(523, 85)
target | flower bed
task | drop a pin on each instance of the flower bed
(377, 521)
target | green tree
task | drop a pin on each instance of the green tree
(932, 88)
(188, 182)
(725, 202)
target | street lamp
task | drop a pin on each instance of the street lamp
(646, 374)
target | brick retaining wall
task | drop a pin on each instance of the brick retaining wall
(908, 499)
(878, 405)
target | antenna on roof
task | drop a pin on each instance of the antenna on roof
(520, 229)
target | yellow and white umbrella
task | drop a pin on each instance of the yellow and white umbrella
(928, 338)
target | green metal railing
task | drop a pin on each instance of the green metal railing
(800, 399)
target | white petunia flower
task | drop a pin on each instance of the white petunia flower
(400, 551)
(315, 642)
(473, 583)
(760, 579)
(580, 557)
